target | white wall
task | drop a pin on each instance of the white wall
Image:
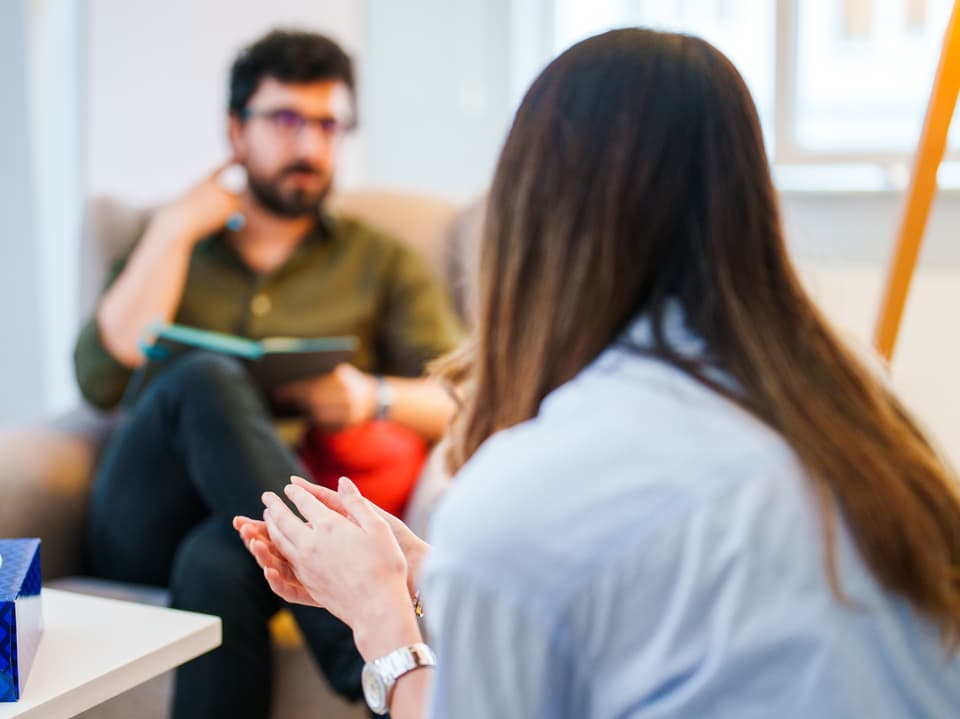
(436, 92)
(439, 80)
(861, 227)
(21, 337)
(55, 60)
(157, 84)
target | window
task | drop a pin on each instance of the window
(835, 81)
(862, 72)
(742, 29)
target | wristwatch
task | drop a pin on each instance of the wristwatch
(380, 675)
(384, 398)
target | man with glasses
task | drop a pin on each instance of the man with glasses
(200, 445)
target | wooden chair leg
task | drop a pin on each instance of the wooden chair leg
(923, 185)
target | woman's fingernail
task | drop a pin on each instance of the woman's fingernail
(297, 476)
(345, 485)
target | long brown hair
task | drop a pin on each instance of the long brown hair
(635, 175)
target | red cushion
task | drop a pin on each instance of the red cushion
(382, 458)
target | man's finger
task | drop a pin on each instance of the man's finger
(330, 411)
(289, 392)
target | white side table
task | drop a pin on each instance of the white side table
(93, 649)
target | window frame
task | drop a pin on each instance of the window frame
(786, 151)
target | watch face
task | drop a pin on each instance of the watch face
(374, 690)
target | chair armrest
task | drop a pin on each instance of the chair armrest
(45, 475)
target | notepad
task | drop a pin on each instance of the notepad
(271, 362)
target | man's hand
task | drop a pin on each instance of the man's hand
(343, 398)
(150, 287)
(204, 209)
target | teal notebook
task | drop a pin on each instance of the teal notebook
(271, 362)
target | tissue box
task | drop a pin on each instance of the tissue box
(21, 620)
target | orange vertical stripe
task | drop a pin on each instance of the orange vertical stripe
(923, 185)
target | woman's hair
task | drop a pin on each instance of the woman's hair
(634, 176)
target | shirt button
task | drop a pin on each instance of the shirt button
(260, 305)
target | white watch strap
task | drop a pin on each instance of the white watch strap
(400, 661)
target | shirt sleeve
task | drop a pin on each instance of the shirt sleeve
(101, 378)
(496, 658)
(418, 323)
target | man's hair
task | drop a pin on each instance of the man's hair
(289, 56)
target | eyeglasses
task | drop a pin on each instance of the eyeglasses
(291, 123)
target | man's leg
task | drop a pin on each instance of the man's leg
(212, 444)
(199, 441)
(332, 646)
(214, 573)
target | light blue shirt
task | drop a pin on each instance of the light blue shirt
(644, 548)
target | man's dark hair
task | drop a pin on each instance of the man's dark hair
(287, 56)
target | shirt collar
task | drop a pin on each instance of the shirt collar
(639, 343)
(322, 232)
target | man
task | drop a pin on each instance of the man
(199, 446)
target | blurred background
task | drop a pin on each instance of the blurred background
(127, 98)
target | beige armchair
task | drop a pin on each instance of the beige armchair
(46, 470)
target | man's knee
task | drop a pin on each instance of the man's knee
(205, 371)
(209, 382)
(213, 572)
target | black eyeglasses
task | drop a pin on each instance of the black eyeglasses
(291, 123)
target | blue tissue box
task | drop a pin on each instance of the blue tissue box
(21, 620)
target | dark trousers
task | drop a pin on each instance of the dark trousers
(197, 449)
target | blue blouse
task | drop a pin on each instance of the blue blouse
(645, 548)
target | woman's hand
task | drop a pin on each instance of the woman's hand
(345, 560)
(276, 569)
(285, 583)
(414, 549)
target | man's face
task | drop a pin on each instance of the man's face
(288, 139)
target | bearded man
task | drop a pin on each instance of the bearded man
(201, 443)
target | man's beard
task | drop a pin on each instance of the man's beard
(291, 203)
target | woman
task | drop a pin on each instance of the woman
(679, 494)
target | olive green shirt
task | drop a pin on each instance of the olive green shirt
(344, 278)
